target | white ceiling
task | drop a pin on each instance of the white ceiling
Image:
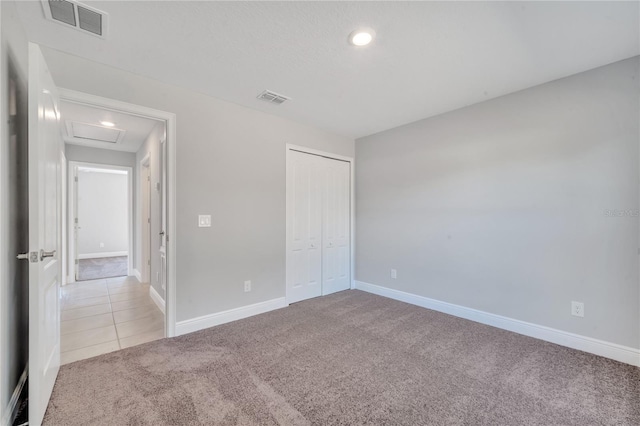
(427, 58)
(136, 128)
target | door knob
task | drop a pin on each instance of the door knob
(33, 256)
(44, 254)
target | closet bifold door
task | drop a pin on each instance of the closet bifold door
(304, 263)
(336, 217)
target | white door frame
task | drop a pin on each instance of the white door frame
(73, 210)
(170, 120)
(352, 210)
(144, 251)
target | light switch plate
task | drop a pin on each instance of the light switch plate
(204, 221)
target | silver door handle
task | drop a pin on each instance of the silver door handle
(44, 254)
(32, 256)
(162, 233)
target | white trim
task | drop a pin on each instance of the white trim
(143, 203)
(587, 344)
(352, 208)
(157, 299)
(170, 119)
(136, 274)
(9, 412)
(101, 255)
(206, 321)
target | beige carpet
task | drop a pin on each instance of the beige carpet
(349, 358)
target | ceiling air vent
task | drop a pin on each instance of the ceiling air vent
(77, 15)
(77, 130)
(272, 97)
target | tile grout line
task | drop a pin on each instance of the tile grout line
(113, 318)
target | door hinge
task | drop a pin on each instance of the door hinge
(149, 262)
(75, 178)
(149, 178)
(76, 219)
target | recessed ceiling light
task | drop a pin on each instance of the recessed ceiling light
(107, 123)
(361, 36)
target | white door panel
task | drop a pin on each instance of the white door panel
(45, 146)
(318, 226)
(305, 229)
(336, 229)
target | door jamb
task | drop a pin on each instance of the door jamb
(145, 199)
(170, 120)
(352, 209)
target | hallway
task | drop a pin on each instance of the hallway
(102, 316)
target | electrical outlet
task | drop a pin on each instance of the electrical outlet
(101, 245)
(577, 309)
(247, 286)
(394, 274)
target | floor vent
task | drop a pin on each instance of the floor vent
(77, 15)
(273, 97)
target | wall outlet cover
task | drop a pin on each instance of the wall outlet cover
(247, 286)
(577, 309)
(204, 221)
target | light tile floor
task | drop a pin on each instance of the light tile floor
(102, 316)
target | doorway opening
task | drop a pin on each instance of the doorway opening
(116, 292)
(102, 221)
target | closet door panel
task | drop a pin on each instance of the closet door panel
(304, 261)
(336, 232)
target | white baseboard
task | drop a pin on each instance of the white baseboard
(206, 321)
(10, 410)
(157, 299)
(587, 344)
(105, 254)
(137, 274)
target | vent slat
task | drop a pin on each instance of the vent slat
(90, 20)
(63, 11)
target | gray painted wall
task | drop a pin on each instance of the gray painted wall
(103, 207)
(14, 226)
(502, 206)
(230, 164)
(99, 156)
(151, 146)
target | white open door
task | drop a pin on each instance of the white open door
(45, 145)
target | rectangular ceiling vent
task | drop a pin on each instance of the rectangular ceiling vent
(77, 130)
(272, 97)
(77, 15)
